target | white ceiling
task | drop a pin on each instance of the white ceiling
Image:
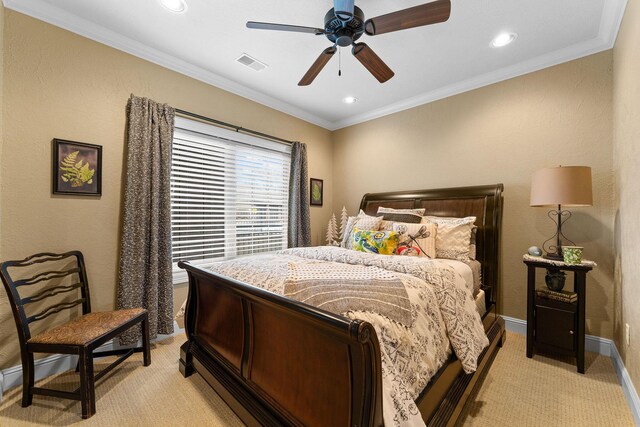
(430, 62)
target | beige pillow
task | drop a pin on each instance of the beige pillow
(386, 225)
(426, 243)
(363, 222)
(453, 237)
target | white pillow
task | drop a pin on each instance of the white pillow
(426, 244)
(364, 222)
(453, 237)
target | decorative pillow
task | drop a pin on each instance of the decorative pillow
(364, 222)
(377, 242)
(454, 236)
(386, 225)
(424, 235)
(413, 216)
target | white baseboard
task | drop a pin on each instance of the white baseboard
(603, 346)
(58, 363)
(627, 385)
(517, 326)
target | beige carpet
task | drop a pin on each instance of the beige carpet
(547, 391)
(517, 392)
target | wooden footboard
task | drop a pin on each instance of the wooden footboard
(276, 361)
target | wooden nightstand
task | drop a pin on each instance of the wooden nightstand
(555, 326)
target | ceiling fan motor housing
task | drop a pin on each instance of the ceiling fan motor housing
(344, 33)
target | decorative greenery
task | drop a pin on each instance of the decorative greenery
(77, 173)
(316, 191)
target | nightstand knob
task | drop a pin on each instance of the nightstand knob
(571, 332)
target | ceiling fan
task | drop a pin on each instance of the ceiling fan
(345, 23)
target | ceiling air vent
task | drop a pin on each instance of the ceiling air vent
(252, 63)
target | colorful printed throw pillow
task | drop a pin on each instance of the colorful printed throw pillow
(416, 239)
(364, 222)
(376, 242)
(453, 239)
(413, 216)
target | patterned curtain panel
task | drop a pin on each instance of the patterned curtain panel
(145, 275)
(299, 233)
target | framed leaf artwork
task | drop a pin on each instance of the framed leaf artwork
(316, 192)
(77, 168)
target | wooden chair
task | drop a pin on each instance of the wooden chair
(79, 336)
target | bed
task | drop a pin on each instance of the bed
(278, 361)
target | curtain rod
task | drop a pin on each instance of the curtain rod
(229, 125)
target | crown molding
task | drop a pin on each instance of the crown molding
(611, 19)
(60, 18)
(609, 26)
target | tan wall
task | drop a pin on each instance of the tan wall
(66, 86)
(626, 108)
(4, 307)
(502, 133)
(1, 109)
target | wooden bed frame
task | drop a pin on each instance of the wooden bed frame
(276, 361)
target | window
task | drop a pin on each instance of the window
(229, 194)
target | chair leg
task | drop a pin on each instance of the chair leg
(145, 342)
(87, 384)
(28, 369)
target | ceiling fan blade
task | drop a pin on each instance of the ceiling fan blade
(372, 62)
(343, 9)
(317, 66)
(284, 27)
(426, 14)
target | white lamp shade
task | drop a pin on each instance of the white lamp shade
(564, 185)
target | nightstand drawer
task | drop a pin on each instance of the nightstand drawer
(555, 328)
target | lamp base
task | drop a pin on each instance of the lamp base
(553, 256)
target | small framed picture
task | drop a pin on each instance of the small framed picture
(77, 168)
(316, 192)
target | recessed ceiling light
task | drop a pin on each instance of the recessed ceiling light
(503, 39)
(350, 100)
(175, 6)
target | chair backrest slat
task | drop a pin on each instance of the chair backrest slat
(50, 292)
(47, 275)
(54, 279)
(40, 258)
(53, 310)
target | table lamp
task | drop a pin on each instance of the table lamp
(560, 186)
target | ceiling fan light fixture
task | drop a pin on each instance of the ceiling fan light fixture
(344, 9)
(503, 39)
(175, 6)
(350, 100)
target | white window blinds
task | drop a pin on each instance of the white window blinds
(229, 194)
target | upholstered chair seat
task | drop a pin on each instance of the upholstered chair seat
(87, 328)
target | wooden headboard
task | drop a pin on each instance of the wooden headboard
(484, 202)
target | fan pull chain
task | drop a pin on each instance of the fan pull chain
(339, 62)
